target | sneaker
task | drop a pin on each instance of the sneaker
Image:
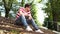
(39, 31)
(28, 28)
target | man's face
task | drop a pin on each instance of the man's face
(28, 8)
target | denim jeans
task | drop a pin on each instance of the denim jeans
(25, 22)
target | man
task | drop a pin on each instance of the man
(24, 15)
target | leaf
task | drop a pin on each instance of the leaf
(38, 1)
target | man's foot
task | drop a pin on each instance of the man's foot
(28, 28)
(39, 31)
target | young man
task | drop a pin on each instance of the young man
(24, 15)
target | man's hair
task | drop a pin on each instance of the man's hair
(27, 5)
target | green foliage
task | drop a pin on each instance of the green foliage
(22, 3)
(48, 21)
(53, 12)
(38, 1)
(55, 5)
(33, 11)
(15, 2)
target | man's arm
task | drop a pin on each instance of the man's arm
(21, 13)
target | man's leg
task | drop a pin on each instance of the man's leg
(24, 22)
(35, 26)
(18, 21)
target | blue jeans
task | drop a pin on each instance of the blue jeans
(25, 22)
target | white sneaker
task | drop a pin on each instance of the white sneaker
(39, 31)
(28, 28)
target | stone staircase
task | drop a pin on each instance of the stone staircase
(7, 26)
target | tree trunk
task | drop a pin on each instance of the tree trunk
(55, 17)
(22, 3)
(7, 13)
(7, 7)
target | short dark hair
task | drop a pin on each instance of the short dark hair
(27, 5)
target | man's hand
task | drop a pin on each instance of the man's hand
(30, 17)
(21, 12)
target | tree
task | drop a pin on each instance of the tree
(48, 21)
(8, 6)
(53, 12)
(55, 5)
(22, 3)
